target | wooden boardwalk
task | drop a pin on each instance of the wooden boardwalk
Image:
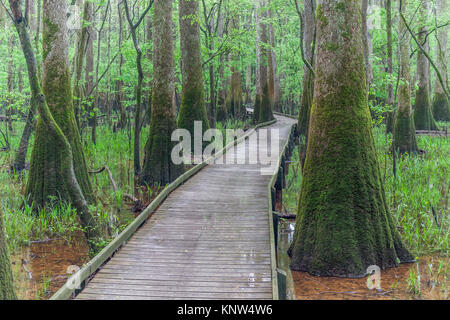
(208, 240)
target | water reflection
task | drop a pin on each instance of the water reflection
(427, 279)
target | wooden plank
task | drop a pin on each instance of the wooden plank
(171, 295)
(206, 240)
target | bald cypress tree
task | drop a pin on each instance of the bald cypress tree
(193, 107)
(265, 110)
(158, 167)
(343, 221)
(423, 116)
(56, 162)
(404, 129)
(441, 110)
(46, 172)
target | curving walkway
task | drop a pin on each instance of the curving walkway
(208, 240)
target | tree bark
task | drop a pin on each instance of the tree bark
(265, 112)
(404, 130)
(308, 78)
(193, 106)
(6, 277)
(423, 116)
(46, 172)
(390, 114)
(343, 222)
(440, 106)
(53, 161)
(367, 44)
(137, 119)
(119, 97)
(158, 167)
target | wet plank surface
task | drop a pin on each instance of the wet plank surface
(208, 240)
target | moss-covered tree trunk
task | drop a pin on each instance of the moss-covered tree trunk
(343, 222)
(193, 107)
(404, 129)
(6, 278)
(308, 79)
(423, 116)
(46, 171)
(265, 112)
(53, 155)
(158, 166)
(441, 110)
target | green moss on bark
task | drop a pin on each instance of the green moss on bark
(46, 171)
(266, 105)
(404, 134)
(158, 166)
(423, 117)
(6, 278)
(343, 223)
(193, 107)
(441, 111)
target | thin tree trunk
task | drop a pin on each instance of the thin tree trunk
(137, 119)
(119, 98)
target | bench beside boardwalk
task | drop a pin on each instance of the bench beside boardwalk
(208, 240)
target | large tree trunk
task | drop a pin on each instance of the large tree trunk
(46, 171)
(265, 112)
(343, 222)
(57, 159)
(441, 109)
(404, 130)
(423, 116)
(158, 167)
(6, 278)
(193, 106)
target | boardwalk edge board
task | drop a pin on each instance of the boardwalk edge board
(67, 290)
(279, 277)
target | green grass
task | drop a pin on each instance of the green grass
(417, 196)
(60, 221)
